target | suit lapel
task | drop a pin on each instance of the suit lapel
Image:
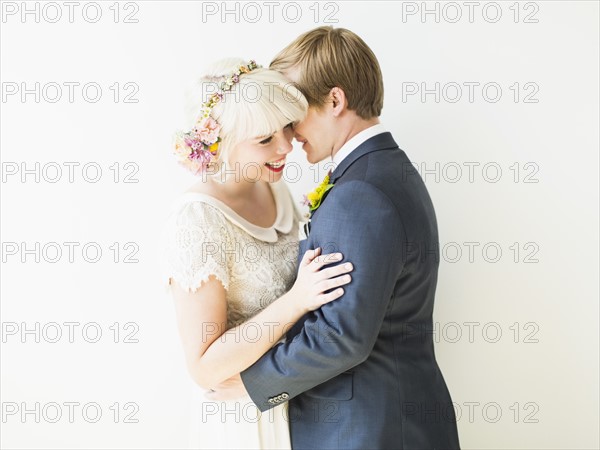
(383, 141)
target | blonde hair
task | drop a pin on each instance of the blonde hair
(330, 57)
(262, 102)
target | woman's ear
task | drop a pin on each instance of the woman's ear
(338, 100)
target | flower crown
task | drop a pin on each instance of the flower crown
(197, 148)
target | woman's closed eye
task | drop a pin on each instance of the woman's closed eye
(267, 140)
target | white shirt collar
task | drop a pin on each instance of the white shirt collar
(355, 141)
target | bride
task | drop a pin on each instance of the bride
(232, 249)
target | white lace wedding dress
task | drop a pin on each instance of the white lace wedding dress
(256, 266)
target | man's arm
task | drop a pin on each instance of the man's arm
(362, 223)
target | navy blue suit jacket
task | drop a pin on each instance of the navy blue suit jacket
(361, 372)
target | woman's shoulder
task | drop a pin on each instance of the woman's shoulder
(198, 207)
(204, 187)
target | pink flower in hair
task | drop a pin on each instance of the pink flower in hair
(208, 130)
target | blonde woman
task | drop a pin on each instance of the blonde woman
(233, 249)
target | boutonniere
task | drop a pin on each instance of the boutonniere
(314, 198)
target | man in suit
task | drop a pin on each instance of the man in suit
(361, 371)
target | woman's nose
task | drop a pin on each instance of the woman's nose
(285, 146)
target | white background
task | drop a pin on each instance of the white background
(538, 392)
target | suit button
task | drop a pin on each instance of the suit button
(271, 400)
(285, 396)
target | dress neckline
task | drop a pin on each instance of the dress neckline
(283, 205)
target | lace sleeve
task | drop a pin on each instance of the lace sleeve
(196, 246)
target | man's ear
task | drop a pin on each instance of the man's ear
(338, 100)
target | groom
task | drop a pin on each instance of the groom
(360, 373)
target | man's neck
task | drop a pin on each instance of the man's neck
(357, 127)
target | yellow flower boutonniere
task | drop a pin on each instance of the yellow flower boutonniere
(314, 198)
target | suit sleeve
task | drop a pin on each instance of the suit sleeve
(361, 222)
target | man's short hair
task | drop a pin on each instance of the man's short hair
(330, 57)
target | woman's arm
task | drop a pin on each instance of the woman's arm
(213, 354)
